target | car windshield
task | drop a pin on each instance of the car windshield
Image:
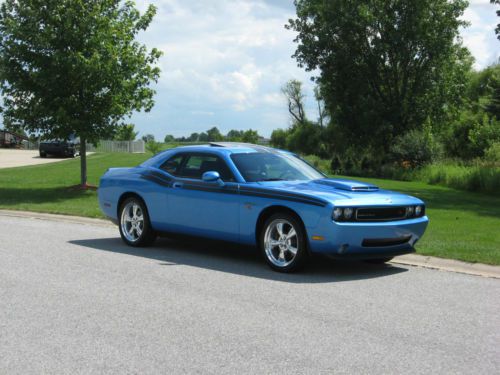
(267, 166)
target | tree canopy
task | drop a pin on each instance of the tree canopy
(74, 66)
(384, 67)
(126, 133)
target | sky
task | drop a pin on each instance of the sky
(225, 62)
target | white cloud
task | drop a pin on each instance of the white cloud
(224, 51)
(480, 37)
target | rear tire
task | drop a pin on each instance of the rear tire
(43, 154)
(134, 224)
(283, 243)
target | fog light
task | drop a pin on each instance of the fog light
(409, 211)
(348, 213)
(337, 213)
(418, 210)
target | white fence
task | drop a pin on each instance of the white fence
(103, 146)
(118, 146)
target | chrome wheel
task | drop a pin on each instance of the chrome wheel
(281, 243)
(132, 221)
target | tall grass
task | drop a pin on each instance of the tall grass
(481, 177)
(478, 176)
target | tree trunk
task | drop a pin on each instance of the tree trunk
(83, 162)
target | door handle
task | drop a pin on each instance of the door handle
(177, 185)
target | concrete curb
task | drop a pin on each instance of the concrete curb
(450, 265)
(57, 217)
(414, 260)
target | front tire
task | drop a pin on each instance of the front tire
(283, 243)
(43, 154)
(135, 226)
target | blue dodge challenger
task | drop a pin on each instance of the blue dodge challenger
(260, 196)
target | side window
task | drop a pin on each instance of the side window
(173, 164)
(197, 164)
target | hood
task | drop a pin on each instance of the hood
(347, 185)
(343, 192)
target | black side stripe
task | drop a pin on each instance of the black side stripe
(287, 197)
(156, 180)
(166, 181)
(283, 194)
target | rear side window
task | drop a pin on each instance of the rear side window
(194, 165)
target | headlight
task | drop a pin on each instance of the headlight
(418, 210)
(337, 213)
(348, 213)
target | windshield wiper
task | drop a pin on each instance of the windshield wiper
(273, 179)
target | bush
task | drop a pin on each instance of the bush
(492, 154)
(153, 147)
(321, 164)
(471, 136)
(415, 149)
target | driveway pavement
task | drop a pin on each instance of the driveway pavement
(18, 158)
(74, 299)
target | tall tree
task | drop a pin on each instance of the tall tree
(74, 66)
(384, 66)
(295, 99)
(126, 133)
(214, 135)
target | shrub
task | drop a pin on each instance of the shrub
(321, 164)
(492, 154)
(153, 147)
(414, 149)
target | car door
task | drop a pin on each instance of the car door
(202, 208)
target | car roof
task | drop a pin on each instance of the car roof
(221, 148)
(228, 147)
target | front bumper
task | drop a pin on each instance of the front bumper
(366, 240)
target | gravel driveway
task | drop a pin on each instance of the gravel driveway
(18, 158)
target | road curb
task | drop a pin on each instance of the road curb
(414, 260)
(57, 217)
(449, 265)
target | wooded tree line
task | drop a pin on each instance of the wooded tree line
(393, 84)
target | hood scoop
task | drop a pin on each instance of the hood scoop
(347, 185)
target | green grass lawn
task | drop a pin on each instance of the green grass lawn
(463, 225)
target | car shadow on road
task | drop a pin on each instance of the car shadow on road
(240, 260)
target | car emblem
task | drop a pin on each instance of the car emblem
(388, 200)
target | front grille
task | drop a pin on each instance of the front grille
(381, 213)
(384, 242)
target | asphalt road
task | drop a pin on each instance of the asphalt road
(73, 299)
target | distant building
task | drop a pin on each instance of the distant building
(10, 139)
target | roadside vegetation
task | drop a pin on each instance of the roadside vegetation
(463, 225)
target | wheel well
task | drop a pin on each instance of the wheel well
(125, 196)
(268, 212)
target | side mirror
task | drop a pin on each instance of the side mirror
(212, 176)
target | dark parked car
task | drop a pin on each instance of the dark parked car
(58, 147)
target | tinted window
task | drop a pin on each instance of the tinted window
(265, 166)
(172, 165)
(196, 164)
